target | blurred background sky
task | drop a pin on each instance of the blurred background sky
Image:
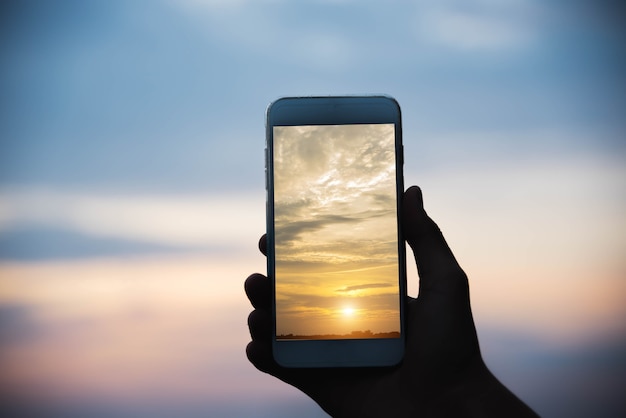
(132, 190)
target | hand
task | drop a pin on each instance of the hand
(442, 373)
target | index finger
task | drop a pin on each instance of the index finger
(263, 244)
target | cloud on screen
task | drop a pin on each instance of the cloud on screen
(362, 286)
(332, 181)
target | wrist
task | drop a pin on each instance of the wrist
(478, 393)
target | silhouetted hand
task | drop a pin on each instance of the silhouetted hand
(442, 374)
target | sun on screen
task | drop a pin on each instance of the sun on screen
(348, 311)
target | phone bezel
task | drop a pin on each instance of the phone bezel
(336, 110)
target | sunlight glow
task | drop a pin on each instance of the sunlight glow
(348, 311)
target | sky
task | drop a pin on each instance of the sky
(336, 233)
(132, 189)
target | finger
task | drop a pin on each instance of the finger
(257, 288)
(263, 244)
(437, 266)
(260, 355)
(260, 325)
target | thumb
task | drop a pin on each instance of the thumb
(437, 267)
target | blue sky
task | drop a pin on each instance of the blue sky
(132, 132)
(169, 95)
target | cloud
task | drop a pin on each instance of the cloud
(322, 153)
(183, 307)
(28, 243)
(292, 231)
(373, 302)
(477, 26)
(312, 35)
(170, 220)
(333, 164)
(362, 287)
(334, 193)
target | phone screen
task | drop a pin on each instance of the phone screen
(336, 232)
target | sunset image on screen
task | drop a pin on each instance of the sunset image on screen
(336, 232)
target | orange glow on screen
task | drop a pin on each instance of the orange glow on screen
(336, 231)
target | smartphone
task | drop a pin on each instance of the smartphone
(335, 251)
